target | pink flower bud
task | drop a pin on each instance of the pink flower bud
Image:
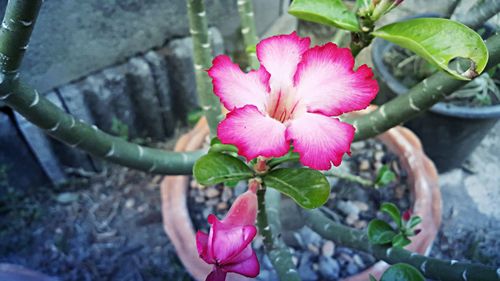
(228, 244)
(407, 215)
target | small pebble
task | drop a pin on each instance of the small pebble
(362, 206)
(295, 260)
(329, 268)
(199, 199)
(328, 249)
(227, 193)
(358, 261)
(352, 268)
(222, 206)
(351, 219)
(348, 208)
(212, 192)
(379, 155)
(130, 203)
(364, 165)
(360, 224)
(313, 249)
(212, 202)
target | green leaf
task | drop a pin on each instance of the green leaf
(309, 188)
(380, 232)
(402, 272)
(372, 278)
(328, 12)
(384, 176)
(217, 146)
(216, 167)
(393, 211)
(414, 221)
(438, 41)
(400, 241)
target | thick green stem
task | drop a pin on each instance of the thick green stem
(362, 39)
(17, 25)
(18, 22)
(480, 13)
(269, 225)
(418, 99)
(248, 30)
(202, 61)
(66, 128)
(444, 270)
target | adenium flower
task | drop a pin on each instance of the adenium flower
(228, 244)
(292, 98)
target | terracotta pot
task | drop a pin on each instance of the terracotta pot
(422, 176)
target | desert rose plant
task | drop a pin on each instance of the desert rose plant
(284, 127)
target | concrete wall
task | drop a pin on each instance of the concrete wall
(73, 38)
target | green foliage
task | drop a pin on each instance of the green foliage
(194, 116)
(393, 211)
(309, 188)
(384, 176)
(400, 240)
(119, 128)
(216, 167)
(328, 12)
(402, 272)
(380, 232)
(217, 146)
(438, 41)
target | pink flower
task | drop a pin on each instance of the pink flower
(291, 99)
(228, 244)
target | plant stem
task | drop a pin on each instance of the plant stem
(362, 39)
(16, 29)
(269, 226)
(481, 12)
(248, 30)
(64, 127)
(17, 25)
(202, 61)
(418, 99)
(350, 177)
(444, 270)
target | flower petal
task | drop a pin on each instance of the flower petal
(202, 246)
(326, 82)
(280, 55)
(236, 88)
(243, 211)
(253, 133)
(247, 266)
(217, 274)
(226, 241)
(320, 140)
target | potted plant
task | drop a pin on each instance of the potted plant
(459, 123)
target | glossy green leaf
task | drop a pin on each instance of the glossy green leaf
(393, 211)
(414, 221)
(217, 146)
(402, 272)
(400, 241)
(309, 188)
(385, 176)
(438, 41)
(215, 167)
(380, 232)
(328, 12)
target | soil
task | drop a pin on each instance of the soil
(108, 227)
(410, 69)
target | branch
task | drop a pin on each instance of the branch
(481, 12)
(430, 267)
(64, 127)
(269, 225)
(17, 25)
(16, 29)
(248, 30)
(418, 99)
(202, 51)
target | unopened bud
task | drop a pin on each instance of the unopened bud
(407, 215)
(417, 231)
